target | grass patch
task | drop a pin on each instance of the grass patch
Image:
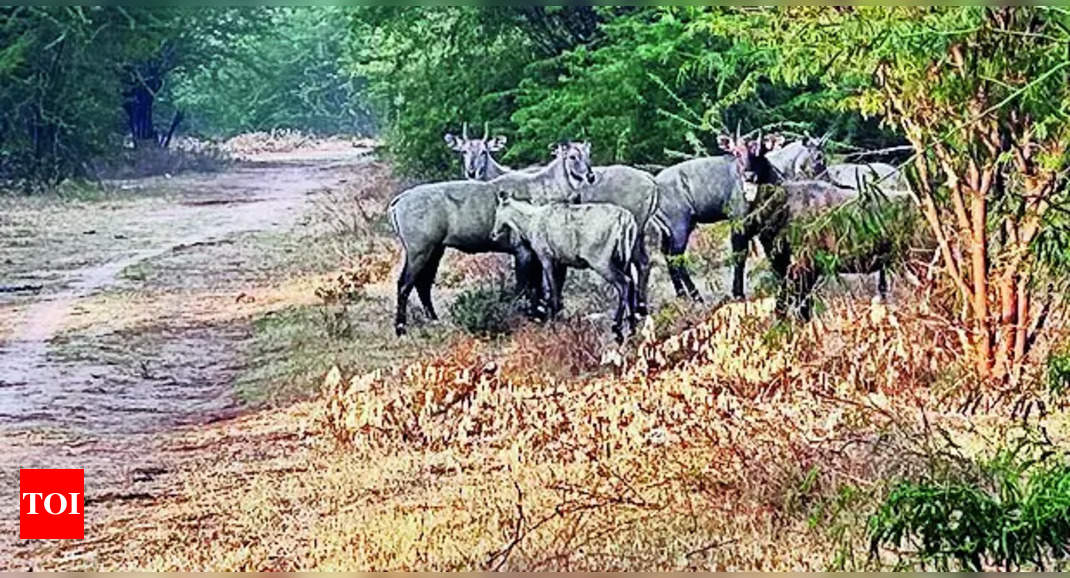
(291, 349)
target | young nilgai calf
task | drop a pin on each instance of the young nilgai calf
(599, 236)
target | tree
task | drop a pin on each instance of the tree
(639, 83)
(289, 72)
(983, 95)
(69, 73)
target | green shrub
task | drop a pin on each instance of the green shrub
(1015, 514)
(485, 311)
(856, 235)
(1059, 372)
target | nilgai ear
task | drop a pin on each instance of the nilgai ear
(556, 149)
(725, 142)
(587, 148)
(453, 142)
(496, 144)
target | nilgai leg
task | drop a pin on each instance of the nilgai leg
(674, 246)
(739, 263)
(426, 278)
(415, 263)
(642, 266)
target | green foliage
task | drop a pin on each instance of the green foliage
(58, 90)
(430, 69)
(642, 84)
(290, 74)
(483, 311)
(64, 70)
(68, 75)
(856, 235)
(1052, 244)
(1015, 513)
(1059, 372)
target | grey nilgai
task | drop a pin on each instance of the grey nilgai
(599, 236)
(886, 178)
(710, 190)
(458, 214)
(571, 178)
(477, 163)
(771, 209)
(477, 158)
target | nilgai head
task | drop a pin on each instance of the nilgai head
(811, 163)
(504, 216)
(475, 153)
(748, 152)
(576, 158)
(752, 165)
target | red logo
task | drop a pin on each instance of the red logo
(51, 504)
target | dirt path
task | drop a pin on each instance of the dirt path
(95, 400)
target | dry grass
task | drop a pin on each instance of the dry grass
(256, 144)
(729, 445)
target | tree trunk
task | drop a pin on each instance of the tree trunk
(166, 141)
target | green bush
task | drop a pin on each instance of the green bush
(485, 311)
(856, 235)
(1059, 372)
(1015, 514)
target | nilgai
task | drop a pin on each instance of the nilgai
(709, 190)
(571, 178)
(477, 161)
(883, 177)
(773, 202)
(458, 214)
(599, 236)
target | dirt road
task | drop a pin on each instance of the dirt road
(125, 317)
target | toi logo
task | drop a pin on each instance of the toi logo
(51, 504)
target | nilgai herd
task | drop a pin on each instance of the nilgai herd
(571, 214)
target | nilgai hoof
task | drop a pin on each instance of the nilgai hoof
(399, 329)
(642, 310)
(618, 335)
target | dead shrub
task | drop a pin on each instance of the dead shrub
(568, 348)
(351, 222)
(459, 269)
(247, 145)
(153, 161)
(736, 413)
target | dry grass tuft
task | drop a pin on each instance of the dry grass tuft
(570, 348)
(708, 433)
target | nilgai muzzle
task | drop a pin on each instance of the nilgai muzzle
(709, 190)
(571, 178)
(599, 236)
(774, 202)
(458, 214)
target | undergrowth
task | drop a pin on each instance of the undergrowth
(1011, 511)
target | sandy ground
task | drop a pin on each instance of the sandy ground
(86, 380)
